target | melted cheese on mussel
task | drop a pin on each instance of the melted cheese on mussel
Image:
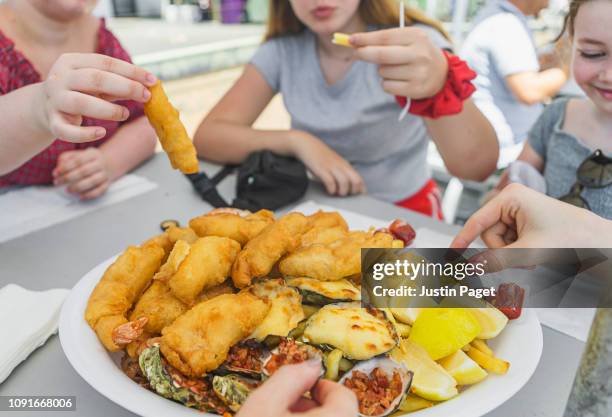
(360, 333)
(286, 310)
(341, 290)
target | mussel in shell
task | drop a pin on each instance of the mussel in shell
(169, 383)
(233, 390)
(290, 352)
(361, 333)
(316, 292)
(246, 359)
(379, 384)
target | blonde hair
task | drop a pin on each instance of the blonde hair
(283, 21)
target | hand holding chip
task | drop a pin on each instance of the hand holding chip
(408, 61)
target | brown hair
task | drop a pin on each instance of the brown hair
(570, 19)
(283, 21)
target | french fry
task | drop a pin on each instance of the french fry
(489, 363)
(342, 39)
(332, 364)
(413, 403)
(170, 130)
(482, 346)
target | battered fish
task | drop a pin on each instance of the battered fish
(171, 132)
(119, 288)
(325, 219)
(261, 253)
(199, 340)
(336, 260)
(208, 264)
(238, 225)
(167, 239)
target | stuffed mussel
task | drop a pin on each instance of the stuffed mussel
(316, 292)
(360, 333)
(379, 384)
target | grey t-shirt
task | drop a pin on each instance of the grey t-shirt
(563, 153)
(500, 45)
(354, 116)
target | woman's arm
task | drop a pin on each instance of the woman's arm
(467, 143)
(23, 131)
(226, 136)
(412, 66)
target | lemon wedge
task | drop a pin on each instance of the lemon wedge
(443, 331)
(430, 381)
(491, 320)
(461, 367)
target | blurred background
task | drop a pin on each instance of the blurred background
(199, 47)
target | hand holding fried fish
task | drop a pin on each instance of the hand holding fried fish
(170, 130)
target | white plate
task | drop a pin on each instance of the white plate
(520, 344)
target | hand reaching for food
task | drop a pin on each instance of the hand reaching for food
(520, 217)
(85, 173)
(289, 384)
(336, 173)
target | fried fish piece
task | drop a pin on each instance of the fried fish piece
(324, 219)
(208, 264)
(167, 239)
(336, 260)
(239, 225)
(261, 253)
(171, 132)
(323, 235)
(199, 340)
(119, 288)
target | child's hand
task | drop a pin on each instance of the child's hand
(336, 173)
(81, 85)
(85, 172)
(409, 63)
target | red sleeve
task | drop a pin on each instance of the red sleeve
(109, 45)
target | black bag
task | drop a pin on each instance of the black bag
(265, 181)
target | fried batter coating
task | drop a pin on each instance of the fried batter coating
(261, 253)
(208, 264)
(119, 288)
(160, 307)
(336, 260)
(325, 219)
(235, 224)
(171, 132)
(323, 235)
(167, 239)
(199, 340)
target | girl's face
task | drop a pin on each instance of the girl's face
(593, 52)
(64, 10)
(325, 17)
